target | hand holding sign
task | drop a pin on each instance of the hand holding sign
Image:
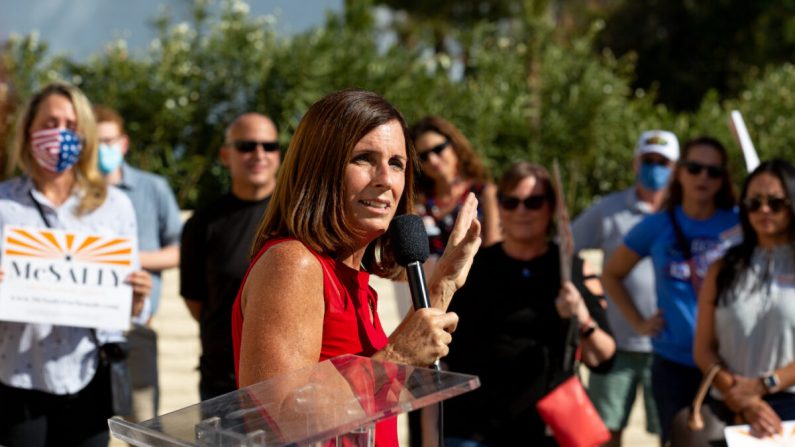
(141, 282)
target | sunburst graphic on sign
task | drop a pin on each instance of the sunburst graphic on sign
(48, 244)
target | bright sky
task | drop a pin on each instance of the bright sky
(83, 27)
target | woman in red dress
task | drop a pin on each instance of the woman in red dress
(348, 171)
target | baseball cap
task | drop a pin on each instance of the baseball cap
(659, 142)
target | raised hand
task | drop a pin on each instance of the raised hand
(453, 267)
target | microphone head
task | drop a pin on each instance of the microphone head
(409, 239)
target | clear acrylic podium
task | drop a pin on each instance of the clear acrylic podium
(335, 402)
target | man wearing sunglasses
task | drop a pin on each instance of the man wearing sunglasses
(603, 226)
(216, 243)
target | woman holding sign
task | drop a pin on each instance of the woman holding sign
(696, 228)
(52, 386)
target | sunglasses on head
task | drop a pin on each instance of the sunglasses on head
(776, 204)
(534, 202)
(695, 168)
(436, 150)
(250, 146)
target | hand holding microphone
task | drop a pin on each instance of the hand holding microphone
(430, 328)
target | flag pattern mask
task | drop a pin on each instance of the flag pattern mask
(56, 150)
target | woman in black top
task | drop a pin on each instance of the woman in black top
(514, 317)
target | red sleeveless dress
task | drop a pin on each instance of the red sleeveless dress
(347, 327)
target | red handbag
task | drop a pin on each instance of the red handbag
(571, 416)
(567, 410)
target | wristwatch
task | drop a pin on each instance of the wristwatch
(771, 382)
(587, 329)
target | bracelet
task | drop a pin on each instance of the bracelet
(588, 328)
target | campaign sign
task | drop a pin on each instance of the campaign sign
(63, 278)
(740, 436)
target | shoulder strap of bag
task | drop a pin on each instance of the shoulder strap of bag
(681, 239)
(695, 422)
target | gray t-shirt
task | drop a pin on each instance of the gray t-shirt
(603, 226)
(755, 319)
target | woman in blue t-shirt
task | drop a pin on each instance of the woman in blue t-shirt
(698, 225)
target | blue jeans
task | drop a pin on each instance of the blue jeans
(783, 404)
(674, 385)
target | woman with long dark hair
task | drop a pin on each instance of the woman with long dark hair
(450, 170)
(746, 309)
(697, 226)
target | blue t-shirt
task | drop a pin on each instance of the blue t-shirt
(676, 279)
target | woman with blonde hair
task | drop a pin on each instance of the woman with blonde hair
(53, 388)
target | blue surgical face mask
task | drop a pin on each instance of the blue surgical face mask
(110, 157)
(653, 177)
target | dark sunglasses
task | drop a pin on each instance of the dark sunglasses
(776, 204)
(250, 146)
(658, 161)
(436, 150)
(531, 202)
(695, 168)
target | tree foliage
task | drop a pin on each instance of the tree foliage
(515, 87)
(687, 48)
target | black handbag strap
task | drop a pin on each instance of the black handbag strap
(681, 240)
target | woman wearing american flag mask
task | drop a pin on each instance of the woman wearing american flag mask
(53, 388)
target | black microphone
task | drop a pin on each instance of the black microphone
(410, 248)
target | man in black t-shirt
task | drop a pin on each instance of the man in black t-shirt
(216, 242)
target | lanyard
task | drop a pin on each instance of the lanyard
(39, 208)
(47, 223)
